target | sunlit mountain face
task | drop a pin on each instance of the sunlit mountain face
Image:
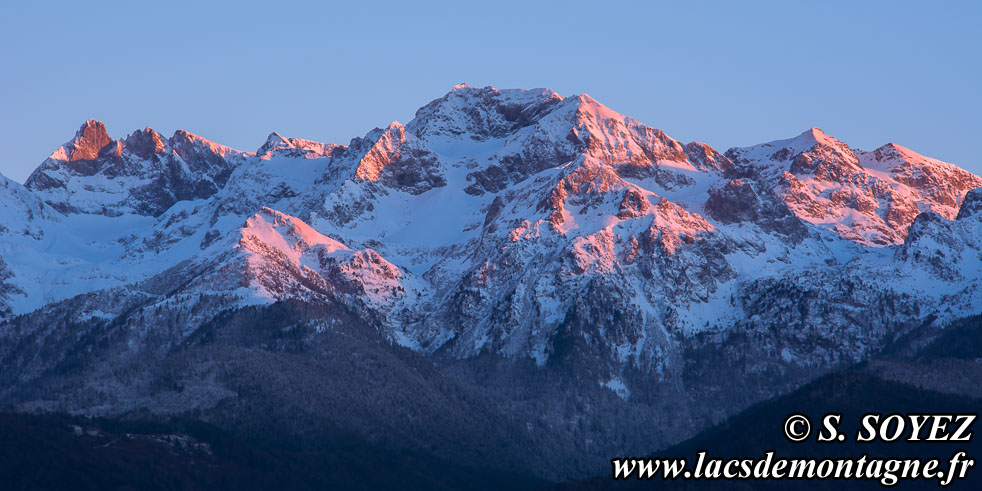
(504, 279)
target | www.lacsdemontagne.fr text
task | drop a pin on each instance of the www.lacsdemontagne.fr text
(887, 472)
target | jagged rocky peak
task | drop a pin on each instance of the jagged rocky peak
(524, 132)
(826, 158)
(274, 141)
(189, 145)
(396, 158)
(142, 173)
(892, 156)
(277, 145)
(78, 156)
(145, 143)
(617, 139)
(90, 138)
(867, 197)
(482, 113)
(892, 151)
(943, 183)
(385, 150)
(632, 147)
(541, 125)
(85, 154)
(812, 152)
(705, 157)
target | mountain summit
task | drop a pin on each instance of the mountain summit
(142, 173)
(542, 248)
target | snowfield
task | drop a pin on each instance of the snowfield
(511, 222)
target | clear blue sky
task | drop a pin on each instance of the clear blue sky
(727, 73)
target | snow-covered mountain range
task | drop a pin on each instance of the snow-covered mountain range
(514, 225)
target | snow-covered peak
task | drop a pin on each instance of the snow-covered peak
(811, 152)
(507, 135)
(705, 158)
(897, 159)
(396, 158)
(540, 128)
(384, 151)
(868, 197)
(893, 152)
(274, 140)
(187, 143)
(145, 143)
(279, 145)
(141, 174)
(807, 140)
(588, 105)
(513, 221)
(618, 139)
(815, 136)
(481, 113)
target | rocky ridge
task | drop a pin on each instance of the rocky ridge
(551, 234)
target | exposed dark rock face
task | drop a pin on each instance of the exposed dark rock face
(145, 143)
(392, 158)
(737, 201)
(971, 205)
(734, 202)
(633, 205)
(705, 157)
(89, 141)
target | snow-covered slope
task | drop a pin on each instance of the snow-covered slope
(582, 266)
(25, 217)
(518, 223)
(23, 212)
(46, 256)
